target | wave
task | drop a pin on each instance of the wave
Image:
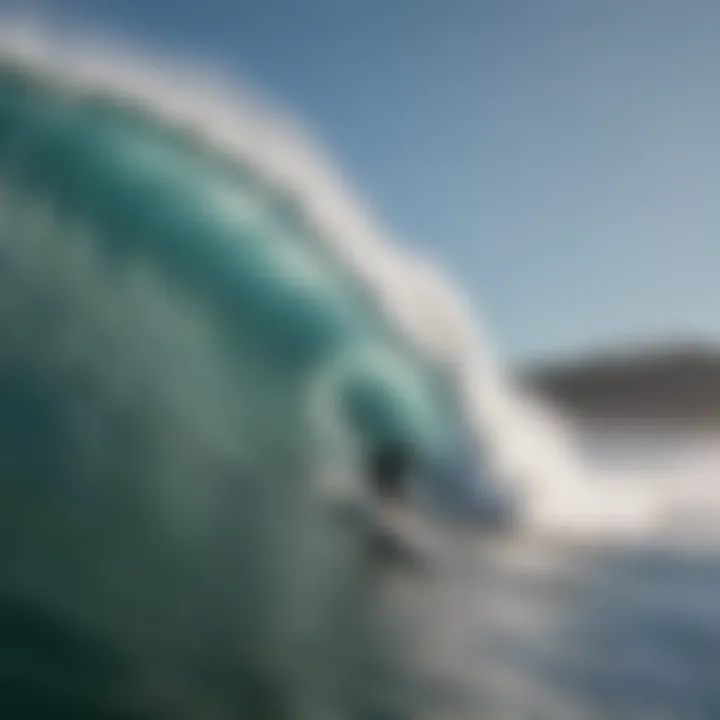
(436, 339)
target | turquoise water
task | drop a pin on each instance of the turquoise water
(192, 389)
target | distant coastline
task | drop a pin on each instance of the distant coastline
(678, 384)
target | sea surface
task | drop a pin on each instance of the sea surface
(592, 627)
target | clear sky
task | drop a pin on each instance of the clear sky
(560, 157)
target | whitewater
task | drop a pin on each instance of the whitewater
(197, 287)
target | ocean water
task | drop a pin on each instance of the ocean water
(618, 625)
(204, 343)
(584, 630)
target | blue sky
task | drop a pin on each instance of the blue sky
(560, 157)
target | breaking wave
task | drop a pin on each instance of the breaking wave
(512, 438)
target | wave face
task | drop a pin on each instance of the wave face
(205, 352)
